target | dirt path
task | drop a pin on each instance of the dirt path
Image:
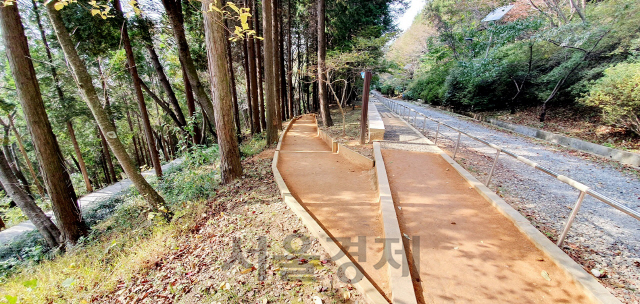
(338, 194)
(468, 251)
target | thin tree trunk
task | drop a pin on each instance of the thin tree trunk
(259, 66)
(76, 147)
(166, 85)
(253, 80)
(290, 62)
(85, 85)
(107, 107)
(322, 77)
(250, 101)
(230, 166)
(191, 107)
(38, 218)
(234, 93)
(18, 168)
(23, 151)
(24, 184)
(110, 178)
(276, 67)
(133, 70)
(283, 71)
(63, 197)
(135, 144)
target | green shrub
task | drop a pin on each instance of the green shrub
(617, 93)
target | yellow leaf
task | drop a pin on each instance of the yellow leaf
(214, 8)
(243, 21)
(95, 12)
(58, 6)
(233, 7)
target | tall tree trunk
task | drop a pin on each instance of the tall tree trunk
(276, 67)
(63, 197)
(270, 94)
(290, 62)
(76, 147)
(85, 85)
(259, 66)
(176, 18)
(23, 151)
(250, 101)
(252, 77)
(133, 70)
(283, 71)
(322, 76)
(232, 75)
(38, 218)
(191, 107)
(230, 165)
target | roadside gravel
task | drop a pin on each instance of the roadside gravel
(601, 238)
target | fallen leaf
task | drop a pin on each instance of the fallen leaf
(545, 275)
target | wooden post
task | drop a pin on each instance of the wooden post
(365, 107)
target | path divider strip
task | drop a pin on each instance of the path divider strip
(591, 287)
(371, 293)
(401, 285)
(376, 125)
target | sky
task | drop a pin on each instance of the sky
(415, 7)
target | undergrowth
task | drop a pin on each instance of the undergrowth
(122, 237)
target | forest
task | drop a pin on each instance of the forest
(541, 55)
(94, 92)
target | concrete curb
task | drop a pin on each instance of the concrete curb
(591, 287)
(401, 285)
(624, 157)
(376, 125)
(352, 156)
(372, 294)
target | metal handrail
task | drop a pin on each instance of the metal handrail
(405, 111)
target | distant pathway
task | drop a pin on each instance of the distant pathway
(612, 238)
(86, 202)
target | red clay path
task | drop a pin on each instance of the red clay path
(469, 252)
(340, 195)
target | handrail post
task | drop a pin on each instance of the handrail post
(457, 144)
(572, 217)
(495, 161)
(435, 142)
(424, 124)
(415, 118)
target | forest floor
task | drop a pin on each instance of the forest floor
(226, 243)
(576, 122)
(348, 133)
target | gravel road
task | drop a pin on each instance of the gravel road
(601, 237)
